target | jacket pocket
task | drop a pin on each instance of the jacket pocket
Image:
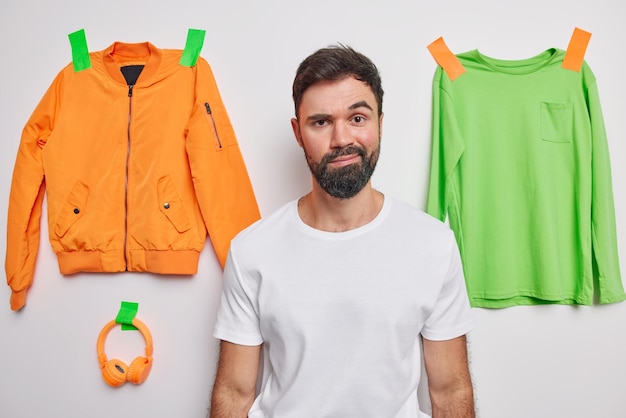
(206, 109)
(73, 209)
(171, 205)
(556, 122)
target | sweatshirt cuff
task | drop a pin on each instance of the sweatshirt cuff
(18, 299)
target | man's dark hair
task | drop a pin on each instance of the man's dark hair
(333, 63)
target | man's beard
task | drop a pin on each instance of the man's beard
(344, 182)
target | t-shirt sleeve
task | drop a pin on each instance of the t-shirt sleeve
(237, 315)
(451, 316)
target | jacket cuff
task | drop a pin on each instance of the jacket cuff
(18, 299)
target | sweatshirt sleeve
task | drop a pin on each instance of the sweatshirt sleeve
(220, 177)
(447, 146)
(26, 196)
(603, 227)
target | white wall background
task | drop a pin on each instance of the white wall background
(547, 361)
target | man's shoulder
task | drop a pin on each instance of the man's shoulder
(404, 212)
(417, 229)
(267, 225)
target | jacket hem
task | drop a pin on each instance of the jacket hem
(183, 262)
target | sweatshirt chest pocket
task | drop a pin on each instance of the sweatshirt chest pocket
(557, 122)
(73, 209)
(171, 205)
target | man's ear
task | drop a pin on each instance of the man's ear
(380, 124)
(295, 126)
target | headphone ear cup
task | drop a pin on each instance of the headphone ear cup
(114, 372)
(139, 370)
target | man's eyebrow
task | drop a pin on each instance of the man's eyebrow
(362, 103)
(322, 116)
(317, 116)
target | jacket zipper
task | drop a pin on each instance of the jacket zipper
(207, 107)
(130, 113)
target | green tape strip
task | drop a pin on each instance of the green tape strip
(193, 46)
(80, 52)
(127, 313)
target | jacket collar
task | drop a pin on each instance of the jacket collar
(120, 54)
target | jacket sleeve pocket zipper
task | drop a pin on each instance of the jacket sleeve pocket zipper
(209, 113)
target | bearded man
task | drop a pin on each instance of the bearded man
(343, 292)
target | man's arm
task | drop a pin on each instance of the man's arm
(449, 381)
(235, 382)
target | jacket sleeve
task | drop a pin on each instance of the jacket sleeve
(603, 227)
(220, 177)
(447, 146)
(26, 196)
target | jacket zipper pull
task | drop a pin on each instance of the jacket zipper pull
(130, 90)
(208, 108)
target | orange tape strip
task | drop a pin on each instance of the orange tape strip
(575, 54)
(446, 59)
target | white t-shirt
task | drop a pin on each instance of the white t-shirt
(340, 313)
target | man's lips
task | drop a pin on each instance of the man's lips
(345, 159)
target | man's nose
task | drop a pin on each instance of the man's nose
(341, 136)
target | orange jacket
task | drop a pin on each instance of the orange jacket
(134, 176)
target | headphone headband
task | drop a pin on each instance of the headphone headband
(145, 332)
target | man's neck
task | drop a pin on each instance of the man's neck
(321, 211)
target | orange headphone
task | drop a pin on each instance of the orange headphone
(115, 372)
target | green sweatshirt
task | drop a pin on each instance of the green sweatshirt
(520, 165)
